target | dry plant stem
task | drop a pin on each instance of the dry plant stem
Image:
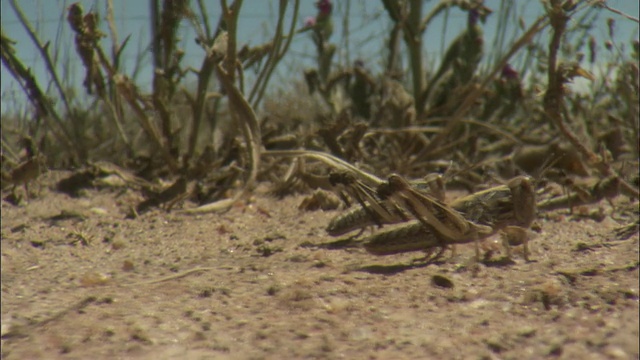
(205, 19)
(242, 113)
(332, 161)
(115, 107)
(405, 130)
(43, 49)
(19, 71)
(115, 47)
(164, 113)
(128, 90)
(87, 37)
(114, 104)
(394, 50)
(32, 89)
(462, 110)
(495, 129)
(438, 129)
(421, 98)
(164, 81)
(443, 4)
(230, 61)
(264, 74)
(277, 52)
(345, 33)
(603, 3)
(240, 110)
(413, 38)
(198, 108)
(554, 102)
(154, 11)
(204, 75)
(393, 10)
(503, 29)
(410, 24)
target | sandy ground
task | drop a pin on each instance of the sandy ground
(80, 281)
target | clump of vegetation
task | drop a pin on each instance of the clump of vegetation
(475, 116)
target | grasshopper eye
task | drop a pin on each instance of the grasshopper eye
(384, 191)
(397, 183)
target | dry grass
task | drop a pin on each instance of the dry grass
(475, 129)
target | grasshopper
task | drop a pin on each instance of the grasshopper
(437, 225)
(606, 188)
(360, 218)
(28, 170)
(448, 225)
(467, 219)
(513, 204)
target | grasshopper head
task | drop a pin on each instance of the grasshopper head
(397, 183)
(394, 184)
(524, 200)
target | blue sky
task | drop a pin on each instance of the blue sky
(367, 28)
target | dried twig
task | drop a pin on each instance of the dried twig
(471, 98)
(277, 52)
(240, 110)
(554, 97)
(603, 3)
(332, 161)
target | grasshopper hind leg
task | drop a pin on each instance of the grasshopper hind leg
(507, 247)
(514, 236)
(476, 244)
(431, 255)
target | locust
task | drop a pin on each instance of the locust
(360, 218)
(513, 204)
(467, 219)
(429, 223)
(28, 170)
(606, 188)
(492, 207)
(448, 226)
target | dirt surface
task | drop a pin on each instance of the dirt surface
(80, 281)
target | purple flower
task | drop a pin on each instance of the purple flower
(324, 6)
(474, 15)
(310, 21)
(509, 72)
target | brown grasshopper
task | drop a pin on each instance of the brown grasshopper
(606, 188)
(467, 219)
(362, 217)
(28, 170)
(448, 225)
(438, 225)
